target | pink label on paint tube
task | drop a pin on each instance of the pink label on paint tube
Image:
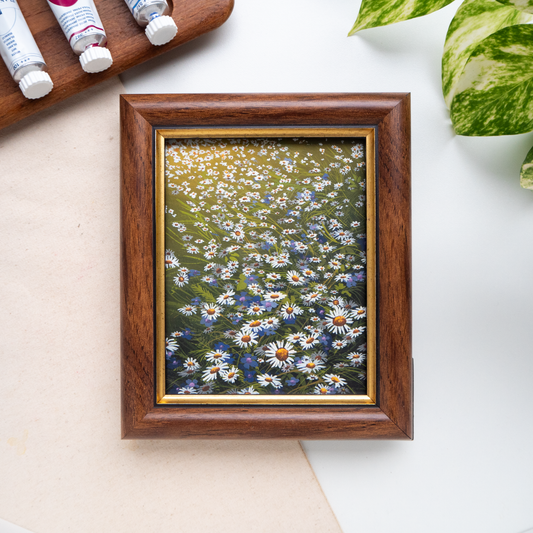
(63, 3)
(77, 18)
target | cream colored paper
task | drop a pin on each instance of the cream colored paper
(63, 467)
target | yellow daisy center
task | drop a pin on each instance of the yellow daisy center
(339, 321)
(282, 354)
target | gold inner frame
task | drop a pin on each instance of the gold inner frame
(160, 137)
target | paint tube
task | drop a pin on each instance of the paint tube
(160, 28)
(84, 31)
(21, 53)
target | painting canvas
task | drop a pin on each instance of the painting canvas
(265, 266)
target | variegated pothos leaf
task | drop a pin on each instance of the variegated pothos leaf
(526, 173)
(494, 95)
(375, 13)
(522, 5)
(474, 21)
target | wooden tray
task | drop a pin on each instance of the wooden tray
(126, 41)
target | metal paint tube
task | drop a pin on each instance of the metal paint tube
(160, 28)
(21, 53)
(84, 31)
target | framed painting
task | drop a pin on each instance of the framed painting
(266, 266)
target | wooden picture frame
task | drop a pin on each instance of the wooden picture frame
(385, 412)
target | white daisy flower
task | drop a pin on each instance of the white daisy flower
(187, 390)
(171, 345)
(187, 372)
(296, 337)
(211, 311)
(188, 310)
(342, 277)
(308, 342)
(255, 289)
(191, 363)
(279, 353)
(323, 389)
(309, 365)
(358, 331)
(267, 379)
(217, 355)
(245, 339)
(171, 261)
(336, 301)
(248, 390)
(238, 235)
(231, 375)
(295, 278)
(308, 273)
(338, 320)
(211, 373)
(181, 280)
(356, 358)
(271, 322)
(338, 344)
(253, 325)
(226, 298)
(289, 310)
(311, 298)
(218, 270)
(335, 380)
(359, 313)
(230, 333)
(206, 388)
(255, 309)
(274, 296)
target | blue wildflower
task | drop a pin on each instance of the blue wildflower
(248, 361)
(249, 375)
(221, 346)
(291, 382)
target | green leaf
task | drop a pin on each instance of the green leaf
(522, 5)
(241, 286)
(474, 21)
(203, 293)
(526, 173)
(494, 95)
(375, 13)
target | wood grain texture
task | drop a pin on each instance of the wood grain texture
(126, 41)
(392, 417)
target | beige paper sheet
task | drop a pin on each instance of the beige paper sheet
(63, 467)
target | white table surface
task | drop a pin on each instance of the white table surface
(470, 467)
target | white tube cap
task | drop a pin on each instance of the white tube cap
(96, 59)
(36, 84)
(161, 30)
